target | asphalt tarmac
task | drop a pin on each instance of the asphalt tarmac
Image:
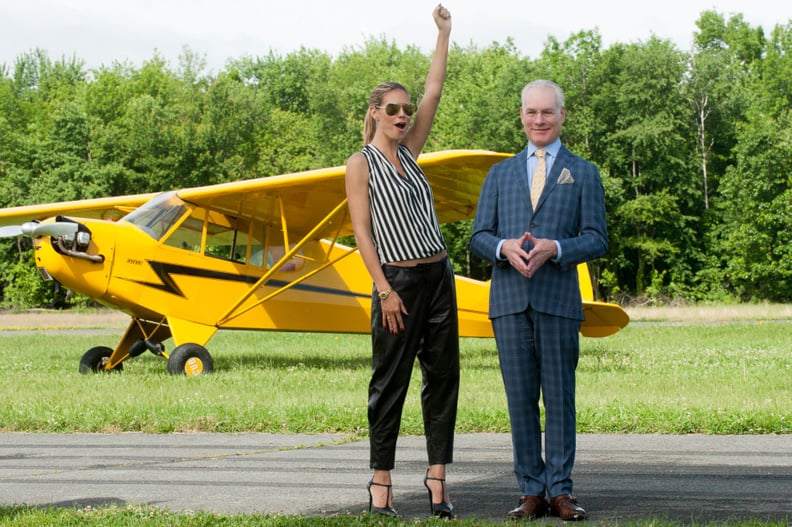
(618, 478)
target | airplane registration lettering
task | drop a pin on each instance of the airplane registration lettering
(133, 261)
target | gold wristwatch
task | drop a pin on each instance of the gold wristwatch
(384, 294)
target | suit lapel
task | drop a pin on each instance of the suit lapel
(521, 176)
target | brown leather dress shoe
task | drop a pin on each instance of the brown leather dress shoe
(530, 507)
(566, 507)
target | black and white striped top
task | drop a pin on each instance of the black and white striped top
(403, 219)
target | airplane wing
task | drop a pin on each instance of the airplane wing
(111, 208)
(301, 202)
(304, 199)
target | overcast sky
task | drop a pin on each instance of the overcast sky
(100, 32)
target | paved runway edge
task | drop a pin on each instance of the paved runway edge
(618, 478)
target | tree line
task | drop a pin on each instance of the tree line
(694, 147)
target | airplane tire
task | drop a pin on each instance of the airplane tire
(94, 359)
(190, 359)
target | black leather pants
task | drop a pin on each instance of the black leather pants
(432, 335)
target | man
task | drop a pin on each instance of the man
(535, 304)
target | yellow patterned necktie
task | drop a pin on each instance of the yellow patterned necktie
(539, 176)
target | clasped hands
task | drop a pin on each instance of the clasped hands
(527, 263)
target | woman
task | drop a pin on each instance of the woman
(413, 309)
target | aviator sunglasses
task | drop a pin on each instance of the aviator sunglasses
(393, 108)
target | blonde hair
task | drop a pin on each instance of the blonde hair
(374, 100)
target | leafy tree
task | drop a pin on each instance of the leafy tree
(24, 288)
(576, 66)
(481, 101)
(757, 211)
(775, 89)
(286, 147)
(744, 42)
(686, 143)
(647, 154)
(757, 190)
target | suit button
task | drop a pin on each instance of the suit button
(533, 225)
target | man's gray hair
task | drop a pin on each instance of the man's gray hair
(542, 83)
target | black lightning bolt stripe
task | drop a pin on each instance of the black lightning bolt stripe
(166, 272)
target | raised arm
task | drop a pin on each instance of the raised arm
(433, 87)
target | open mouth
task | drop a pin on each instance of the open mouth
(401, 125)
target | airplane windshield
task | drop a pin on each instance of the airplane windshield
(157, 216)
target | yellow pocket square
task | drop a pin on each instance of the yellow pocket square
(566, 177)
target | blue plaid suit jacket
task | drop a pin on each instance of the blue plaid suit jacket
(571, 211)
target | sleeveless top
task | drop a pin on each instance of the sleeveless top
(403, 220)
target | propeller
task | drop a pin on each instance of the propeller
(61, 228)
(34, 229)
(9, 231)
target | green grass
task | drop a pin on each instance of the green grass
(717, 379)
(23, 516)
(726, 378)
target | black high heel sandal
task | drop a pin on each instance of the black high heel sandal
(387, 510)
(439, 510)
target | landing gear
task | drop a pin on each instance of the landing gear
(94, 360)
(190, 359)
(144, 335)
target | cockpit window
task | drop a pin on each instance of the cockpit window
(158, 215)
(211, 233)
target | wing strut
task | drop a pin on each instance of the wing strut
(230, 314)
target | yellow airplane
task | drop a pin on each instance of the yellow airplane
(254, 254)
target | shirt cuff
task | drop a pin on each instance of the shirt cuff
(498, 257)
(558, 248)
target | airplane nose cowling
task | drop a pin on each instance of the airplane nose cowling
(84, 270)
